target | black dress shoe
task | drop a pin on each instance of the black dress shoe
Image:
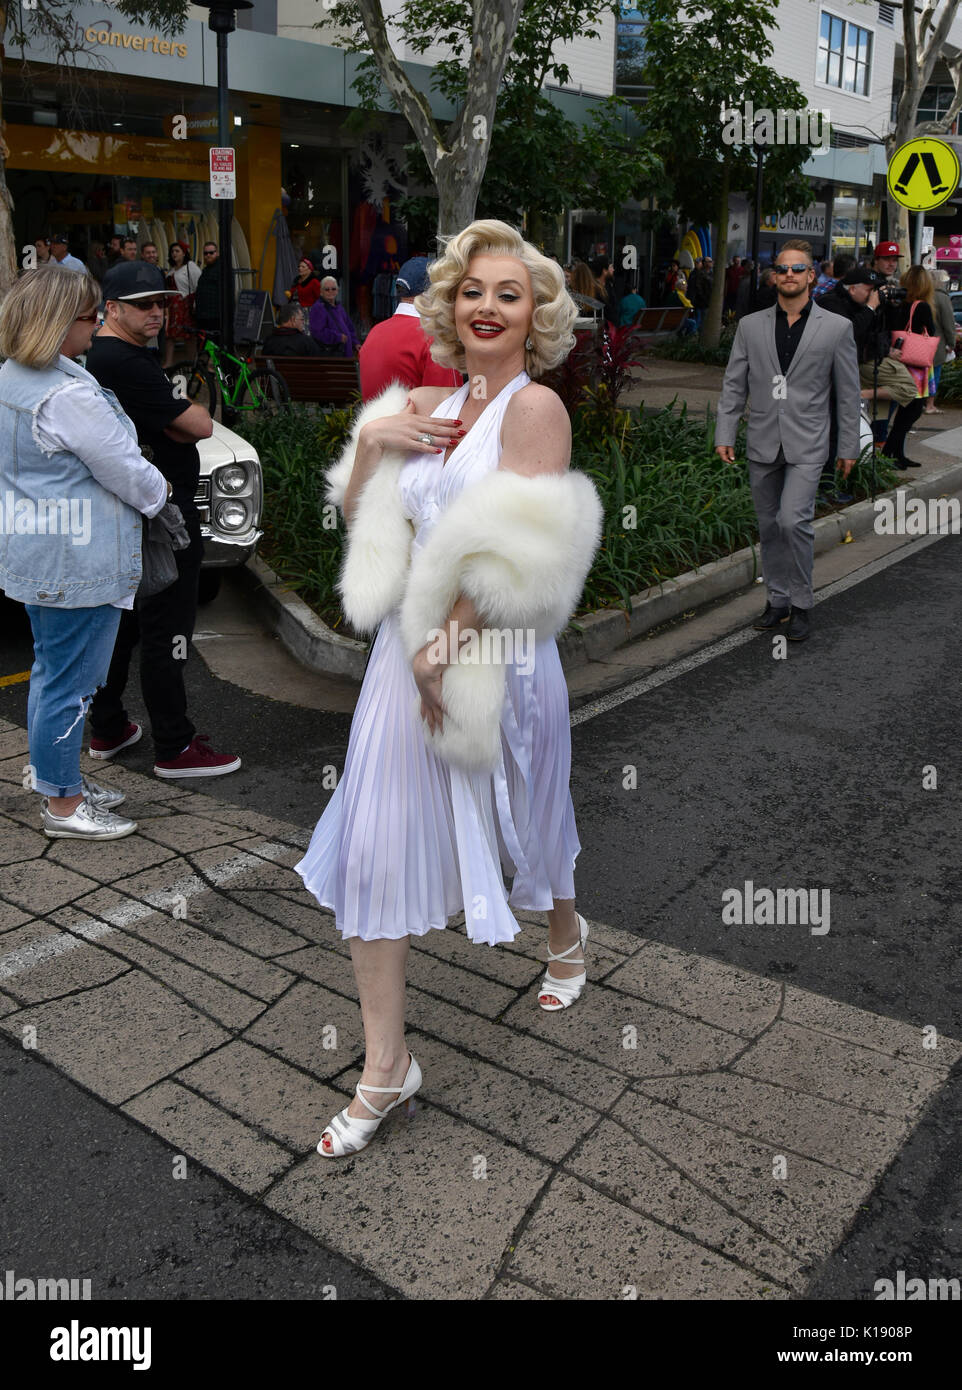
(770, 618)
(798, 625)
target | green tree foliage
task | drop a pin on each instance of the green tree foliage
(700, 62)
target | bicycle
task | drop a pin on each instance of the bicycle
(217, 377)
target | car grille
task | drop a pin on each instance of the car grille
(202, 499)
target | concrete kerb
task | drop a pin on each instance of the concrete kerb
(592, 637)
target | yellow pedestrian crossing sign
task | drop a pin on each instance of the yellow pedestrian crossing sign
(923, 173)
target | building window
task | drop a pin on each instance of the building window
(844, 55)
(630, 53)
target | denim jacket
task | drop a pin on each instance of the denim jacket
(65, 540)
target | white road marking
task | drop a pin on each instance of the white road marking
(737, 639)
(124, 914)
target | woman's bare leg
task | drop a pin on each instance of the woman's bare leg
(379, 968)
(562, 932)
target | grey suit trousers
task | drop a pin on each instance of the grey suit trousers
(784, 497)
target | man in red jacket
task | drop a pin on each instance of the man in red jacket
(397, 349)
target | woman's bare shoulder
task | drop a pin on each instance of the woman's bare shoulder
(428, 398)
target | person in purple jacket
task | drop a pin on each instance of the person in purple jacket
(330, 323)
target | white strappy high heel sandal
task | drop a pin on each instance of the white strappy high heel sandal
(348, 1135)
(567, 991)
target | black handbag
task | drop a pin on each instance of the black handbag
(162, 535)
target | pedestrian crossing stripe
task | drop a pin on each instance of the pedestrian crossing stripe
(923, 173)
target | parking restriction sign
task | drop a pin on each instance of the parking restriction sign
(223, 178)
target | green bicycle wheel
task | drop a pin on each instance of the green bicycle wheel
(264, 390)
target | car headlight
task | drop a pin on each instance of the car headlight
(233, 477)
(231, 516)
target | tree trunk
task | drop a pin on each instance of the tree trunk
(8, 245)
(711, 332)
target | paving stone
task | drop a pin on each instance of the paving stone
(11, 916)
(699, 987)
(218, 912)
(785, 1120)
(580, 1244)
(567, 1072)
(232, 1007)
(11, 769)
(137, 785)
(183, 832)
(20, 842)
(512, 1289)
(810, 1062)
(41, 887)
(409, 1208)
(228, 963)
(480, 995)
(807, 1211)
(252, 821)
(452, 945)
(111, 860)
(13, 742)
(275, 851)
(327, 968)
(7, 1005)
(165, 885)
(121, 1037)
(533, 937)
(267, 1093)
(295, 1027)
(18, 807)
(296, 912)
(40, 962)
(638, 1178)
(233, 868)
(203, 1131)
(523, 1113)
(890, 1035)
(664, 1041)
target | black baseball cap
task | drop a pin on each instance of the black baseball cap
(858, 275)
(134, 280)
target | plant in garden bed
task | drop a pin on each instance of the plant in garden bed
(303, 535)
(691, 349)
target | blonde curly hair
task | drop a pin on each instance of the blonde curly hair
(554, 309)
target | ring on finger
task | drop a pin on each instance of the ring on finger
(426, 438)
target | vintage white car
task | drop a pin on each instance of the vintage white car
(229, 498)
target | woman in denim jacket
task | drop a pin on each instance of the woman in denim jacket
(73, 486)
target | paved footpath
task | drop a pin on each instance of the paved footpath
(689, 1130)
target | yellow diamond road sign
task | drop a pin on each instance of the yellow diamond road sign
(923, 173)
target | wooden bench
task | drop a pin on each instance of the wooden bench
(327, 380)
(660, 323)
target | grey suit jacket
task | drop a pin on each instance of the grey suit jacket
(792, 412)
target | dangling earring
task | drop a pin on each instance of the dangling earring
(528, 344)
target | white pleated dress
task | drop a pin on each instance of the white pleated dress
(407, 841)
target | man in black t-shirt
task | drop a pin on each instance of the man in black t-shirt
(168, 427)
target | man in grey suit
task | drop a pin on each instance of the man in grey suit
(788, 358)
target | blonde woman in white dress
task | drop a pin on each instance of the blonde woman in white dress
(463, 518)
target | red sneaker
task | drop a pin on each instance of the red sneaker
(198, 760)
(107, 747)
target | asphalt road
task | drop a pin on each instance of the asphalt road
(805, 772)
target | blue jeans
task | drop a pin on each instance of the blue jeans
(71, 649)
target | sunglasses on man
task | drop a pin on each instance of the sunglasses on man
(145, 303)
(798, 269)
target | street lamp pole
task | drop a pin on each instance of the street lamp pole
(757, 220)
(222, 21)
